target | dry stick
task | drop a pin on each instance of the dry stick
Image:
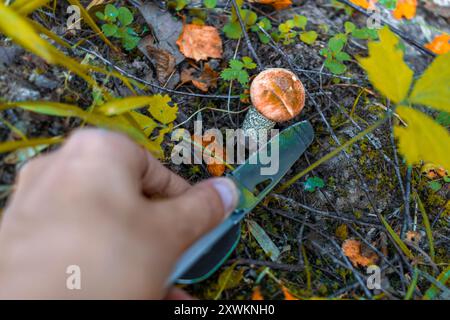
(269, 264)
(393, 28)
(246, 37)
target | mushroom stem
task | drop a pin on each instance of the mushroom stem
(255, 121)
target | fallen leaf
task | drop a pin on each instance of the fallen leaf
(358, 256)
(366, 4)
(200, 42)
(205, 80)
(432, 171)
(405, 9)
(287, 294)
(214, 154)
(276, 4)
(163, 61)
(256, 295)
(440, 44)
(413, 236)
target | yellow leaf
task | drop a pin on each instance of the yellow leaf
(9, 146)
(433, 87)
(147, 124)
(99, 120)
(161, 110)
(423, 138)
(25, 7)
(385, 66)
(120, 106)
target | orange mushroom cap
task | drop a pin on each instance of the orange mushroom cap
(277, 94)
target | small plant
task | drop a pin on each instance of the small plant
(238, 71)
(362, 33)
(264, 24)
(334, 55)
(313, 183)
(288, 31)
(117, 25)
(233, 28)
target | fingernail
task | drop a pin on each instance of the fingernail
(228, 193)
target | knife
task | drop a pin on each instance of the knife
(206, 255)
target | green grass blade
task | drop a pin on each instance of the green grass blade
(396, 238)
(413, 285)
(427, 225)
(442, 279)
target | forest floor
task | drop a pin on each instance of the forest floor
(308, 226)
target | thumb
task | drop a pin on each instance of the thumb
(195, 212)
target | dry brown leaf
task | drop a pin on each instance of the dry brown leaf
(205, 80)
(358, 256)
(277, 4)
(200, 42)
(164, 62)
(413, 236)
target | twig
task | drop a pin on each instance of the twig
(246, 37)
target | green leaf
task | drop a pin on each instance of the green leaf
(313, 183)
(130, 42)
(435, 185)
(308, 37)
(249, 17)
(109, 29)
(335, 66)
(161, 110)
(300, 21)
(100, 15)
(248, 63)
(111, 12)
(284, 28)
(349, 27)
(210, 4)
(236, 64)
(265, 24)
(423, 139)
(343, 56)
(385, 67)
(232, 30)
(228, 279)
(433, 87)
(125, 16)
(263, 38)
(443, 118)
(264, 240)
(336, 44)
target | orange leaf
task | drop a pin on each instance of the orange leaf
(353, 250)
(277, 4)
(366, 4)
(287, 294)
(257, 294)
(214, 155)
(440, 44)
(200, 42)
(406, 9)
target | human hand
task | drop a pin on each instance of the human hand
(104, 204)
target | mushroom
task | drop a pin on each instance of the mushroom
(277, 95)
